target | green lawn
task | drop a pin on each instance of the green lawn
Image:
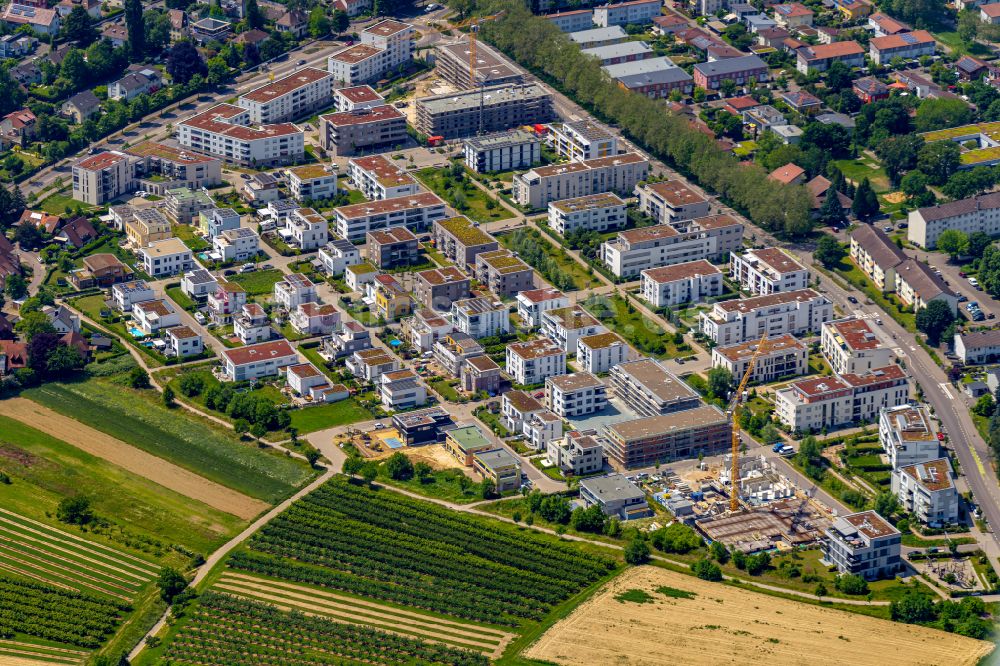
(638, 330)
(443, 484)
(61, 202)
(92, 307)
(563, 263)
(136, 417)
(194, 242)
(258, 283)
(311, 419)
(864, 167)
(181, 299)
(436, 256)
(143, 515)
(476, 205)
(446, 389)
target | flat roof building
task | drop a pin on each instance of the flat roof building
(503, 107)
(658, 439)
(649, 389)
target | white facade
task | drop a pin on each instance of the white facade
(532, 303)
(811, 405)
(635, 250)
(541, 428)
(618, 173)
(383, 46)
(531, 362)
(337, 255)
(401, 389)
(252, 325)
(670, 201)
(298, 94)
(577, 453)
(166, 257)
(416, 212)
(576, 394)
(637, 12)
(767, 271)
(314, 319)
(691, 282)
(581, 140)
(850, 345)
(782, 357)
(598, 353)
(255, 361)
(182, 341)
(294, 290)
(237, 244)
(225, 131)
(100, 178)
(198, 284)
(594, 212)
(795, 312)
(152, 316)
(312, 182)
(980, 213)
(378, 178)
(480, 317)
(567, 325)
(927, 490)
(503, 151)
(306, 229)
(126, 294)
(907, 435)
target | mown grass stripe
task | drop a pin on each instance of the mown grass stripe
(37, 646)
(71, 575)
(7, 566)
(105, 571)
(63, 582)
(148, 567)
(34, 657)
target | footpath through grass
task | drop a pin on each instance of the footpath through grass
(136, 418)
(463, 194)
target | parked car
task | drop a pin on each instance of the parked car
(229, 271)
(199, 317)
(853, 300)
(248, 268)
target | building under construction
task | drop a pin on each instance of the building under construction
(788, 523)
(455, 64)
(759, 480)
(491, 109)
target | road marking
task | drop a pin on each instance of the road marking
(979, 462)
(946, 391)
(899, 351)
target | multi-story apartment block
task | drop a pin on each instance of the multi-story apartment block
(378, 178)
(158, 168)
(392, 247)
(384, 46)
(290, 97)
(795, 312)
(227, 300)
(438, 288)
(312, 182)
(213, 221)
(592, 212)
(876, 255)
(459, 240)
(581, 140)
(655, 78)
(598, 353)
(166, 257)
(237, 244)
(810, 405)
(252, 325)
(314, 319)
(480, 373)
(576, 394)
(533, 302)
(502, 151)
(690, 282)
(579, 453)
(670, 201)
(503, 273)
(362, 129)
(293, 290)
(978, 347)
(541, 428)
(100, 178)
(908, 436)
(636, 12)
(767, 271)
(453, 350)
(635, 250)
(516, 407)
(498, 108)
(391, 300)
(573, 21)
(927, 490)
(306, 229)
(531, 362)
(657, 439)
(850, 345)
(619, 174)
(649, 389)
(265, 359)
(591, 37)
(820, 56)
(566, 326)
(457, 66)
(225, 131)
(710, 75)
(783, 356)
(480, 317)
(183, 205)
(905, 45)
(356, 98)
(337, 255)
(415, 212)
(145, 226)
(863, 544)
(917, 286)
(980, 213)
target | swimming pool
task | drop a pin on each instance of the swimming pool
(393, 443)
(136, 333)
(395, 343)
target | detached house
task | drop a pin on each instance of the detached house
(145, 81)
(81, 106)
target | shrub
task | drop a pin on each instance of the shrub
(707, 570)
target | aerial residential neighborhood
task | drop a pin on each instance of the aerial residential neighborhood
(492, 332)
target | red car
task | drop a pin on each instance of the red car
(961, 274)
(940, 436)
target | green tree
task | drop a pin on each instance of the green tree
(352, 465)
(28, 236)
(933, 320)
(33, 323)
(218, 70)
(369, 471)
(831, 211)
(312, 455)
(820, 590)
(168, 396)
(184, 62)
(865, 201)
(74, 69)
(16, 286)
(851, 584)
(719, 552)
(706, 570)
(341, 21)
(254, 17)
(886, 504)
(138, 379)
(241, 426)
(637, 552)
(590, 519)
(63, 360)
(399, 467)
(978, 242)
(319, 23)
(939, 160)
(78, 27)
(136, 26)
(74, 510)
(423, 471)
(985, 406)
(171, 583)
(968, 26)
(720, 382)
(940, 112)
(828, 251)
(912, 607)
(257, 431)
(953, 242)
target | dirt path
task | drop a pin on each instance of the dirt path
(132, 459)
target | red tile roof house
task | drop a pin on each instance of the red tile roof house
(802, 101)
(870, 90)
(737, 105)
(790, 174)
(905, 45)
(255, 361)
(821, 56)
(18, 127)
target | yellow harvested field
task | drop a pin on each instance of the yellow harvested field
(728, 625)
(133, 459)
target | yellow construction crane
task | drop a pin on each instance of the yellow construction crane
(734, 472)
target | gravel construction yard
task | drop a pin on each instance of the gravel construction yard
(721, 624)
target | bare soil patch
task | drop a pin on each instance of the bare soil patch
(132, 459)
(728, 625)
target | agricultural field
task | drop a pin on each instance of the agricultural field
(713, 623)
(137, 418)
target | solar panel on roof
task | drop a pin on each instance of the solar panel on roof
(908, 38)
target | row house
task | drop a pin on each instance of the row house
(907, 45)
(710, 75)
(821, 56)
(978, 347)
(655, 78)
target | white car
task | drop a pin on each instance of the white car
(974, 282)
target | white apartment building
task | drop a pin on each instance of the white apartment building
(516, 407)
(970, 215)
(225, 131)
(580, 140)
(183, 342)
(767, 271)
(306, 229)
(416, 212)
(649, 389)
(876, 255)
(126, 294)
(313, 182)
(541, 428)
(531, 362)
(592, 212)
(480, 317)
(294, 290)
(198, 284)
(864, 544)
(578, 453)
(850, 345)
(383, 47)
(356, 98)
(635, 250)
(401, 389)
(908, 436)
(782, 357)
(378, 178)
(237, 244)
(598, 353)
(690, 282)
(618, 173)
(576, 394)
(566, 326)
(671, 201)
(927, 490)
(502, 151)
(100, 178)
(298, 94)
(265, 359)
(636, 12)
(337, 255)
(369, 364)
(166, 257)
(795, 312)
(532, 303)
(152, 316)
(315, 319)
(811, 405)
